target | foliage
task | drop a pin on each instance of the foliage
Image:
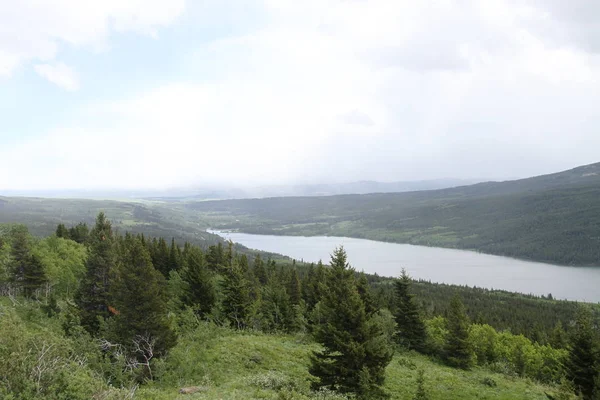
(138, 292)
(355, 348)
(64, 263)
(582, 363)
(200, 289)
(93, 295)
(458, 352)
(411, 331)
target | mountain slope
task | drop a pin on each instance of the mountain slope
(553, 218)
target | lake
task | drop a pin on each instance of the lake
(459, 267)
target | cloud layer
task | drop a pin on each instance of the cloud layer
(325, 91)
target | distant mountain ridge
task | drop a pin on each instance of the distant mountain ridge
(224, 192)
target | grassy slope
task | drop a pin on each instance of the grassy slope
(246, 365)
(233, 365)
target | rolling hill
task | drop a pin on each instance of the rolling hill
(553, 218)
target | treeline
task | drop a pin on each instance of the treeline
(132, 296)
(537, 318)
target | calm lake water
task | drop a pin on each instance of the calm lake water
(438, 265)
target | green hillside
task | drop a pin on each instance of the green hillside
(553, 218)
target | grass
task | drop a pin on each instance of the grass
(227, 364)
(233, 365)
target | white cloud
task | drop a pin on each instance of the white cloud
(35, 30)
(60, 74)
(330, 90)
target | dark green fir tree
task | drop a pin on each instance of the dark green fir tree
(458, 351)
(355, 351)
(582, 362)
(411, 332)
(93, 295)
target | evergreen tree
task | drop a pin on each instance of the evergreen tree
(139, 293)
(20, 253)
(236, 295)
(215, 257)
(259, 270)
(294, 287)
(558, 337)
(174, 256)
(161, 260)
(62, 231)
(276, 308)
(411, 332)
(355, 351)
(364, 290)
(92, 297)
(79, 233)
(313, 286)
(200, 293)
(458, 349)
(582, 363)
(34, 276)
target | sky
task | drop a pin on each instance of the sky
(155, 94)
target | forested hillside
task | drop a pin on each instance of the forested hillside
(553, 218)
(97, 314)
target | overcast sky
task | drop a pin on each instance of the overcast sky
(152, 93)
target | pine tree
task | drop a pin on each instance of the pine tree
(259, 270)
(62, 231)
(79, 233)
(92, 297)
(458, 350)
(139, 292)
(582, 362)
(34, 276)
(174, 257)
(20, 253)
(294, 287)
(200, 293)
(161, 260)
(558, 337)
(355, 350)
(411, 332)
(236, 295)
(215, 257)
(364, 290)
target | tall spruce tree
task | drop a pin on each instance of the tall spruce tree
(458, 351)
(34, 276)
(93, 295)
(355, 349)
(294, 287)
(364, 290)
(200, 289)
(20, 253)
(582, 363)
(236, 295)
(139, 294)
(62, 231)
(411, 332)
(259, 270)
(162, 259)
(174, 256)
